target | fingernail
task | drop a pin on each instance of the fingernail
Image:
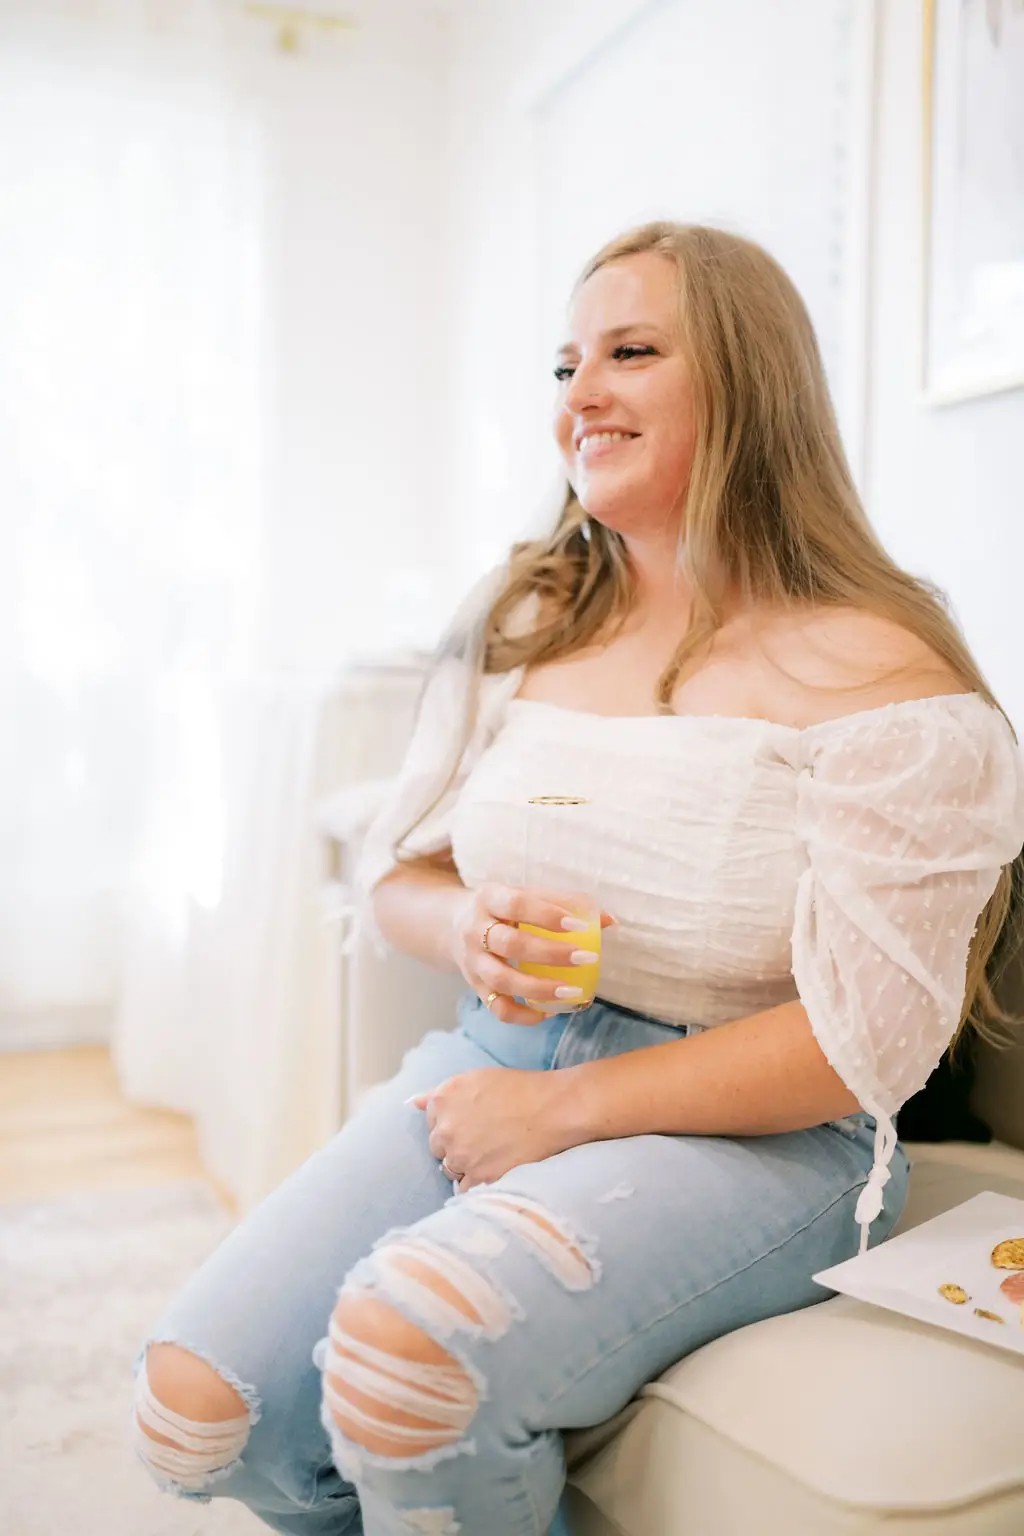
(575, 924)
(583, 957)
(568, 991)
(412, 1098)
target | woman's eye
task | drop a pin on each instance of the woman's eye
(621, 354)
(630, 349)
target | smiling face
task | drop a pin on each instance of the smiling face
(623, 372)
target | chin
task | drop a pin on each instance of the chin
(620, 514)
(607, 504)
(616, 520)
(632, 510)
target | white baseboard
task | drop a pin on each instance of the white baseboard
(55, 1029)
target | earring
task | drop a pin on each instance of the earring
(585, 529)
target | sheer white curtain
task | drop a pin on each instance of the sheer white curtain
(157, 866)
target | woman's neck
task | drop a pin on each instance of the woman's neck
(663, 593)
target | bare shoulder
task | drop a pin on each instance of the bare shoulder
(843, 659)
(852, 644)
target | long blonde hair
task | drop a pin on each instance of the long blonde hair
(771, 512)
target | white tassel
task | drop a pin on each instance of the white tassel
(871, 1202)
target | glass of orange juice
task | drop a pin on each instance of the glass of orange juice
(588, 937)
(550, 820)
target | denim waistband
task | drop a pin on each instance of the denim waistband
(646, 1018)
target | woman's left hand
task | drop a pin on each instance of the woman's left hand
(484, 1122)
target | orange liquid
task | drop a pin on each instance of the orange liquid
(585, 976)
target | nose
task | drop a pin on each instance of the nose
(586, 389)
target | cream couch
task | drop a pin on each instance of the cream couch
(837, 1420)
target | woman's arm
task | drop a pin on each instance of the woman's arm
(755, 1076)
(416, 907)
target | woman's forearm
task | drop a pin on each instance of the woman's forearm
(415, 908)
(752, 1077)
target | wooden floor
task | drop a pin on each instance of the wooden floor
(64, 1126)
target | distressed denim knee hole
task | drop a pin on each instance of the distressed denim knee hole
(184, 1453)
(569, 1258)
(389, 1388)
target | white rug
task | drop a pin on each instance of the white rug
(82, 1280)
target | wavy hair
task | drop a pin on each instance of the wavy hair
(771, 513)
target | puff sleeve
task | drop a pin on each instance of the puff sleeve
(458, 714)
(907, 814)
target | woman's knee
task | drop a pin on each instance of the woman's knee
(389, 1387)
(191, 1425)
(406, 1390)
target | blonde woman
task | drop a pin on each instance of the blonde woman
(803, 809)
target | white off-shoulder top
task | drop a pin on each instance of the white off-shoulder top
(748, 862)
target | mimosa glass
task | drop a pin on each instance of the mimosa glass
(582, 904)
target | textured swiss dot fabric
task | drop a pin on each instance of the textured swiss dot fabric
(906, 816)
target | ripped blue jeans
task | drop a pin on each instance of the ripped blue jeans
(525, 1308)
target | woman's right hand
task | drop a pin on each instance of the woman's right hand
(497, 910)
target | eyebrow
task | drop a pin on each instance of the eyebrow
(613, 334)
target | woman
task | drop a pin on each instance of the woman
(803, 806)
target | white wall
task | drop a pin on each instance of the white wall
(355, 135)
(501, 52)
(574, 122)
(945, 484)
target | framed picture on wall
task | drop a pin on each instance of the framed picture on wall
(973, 341)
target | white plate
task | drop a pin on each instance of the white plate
(905, 1272)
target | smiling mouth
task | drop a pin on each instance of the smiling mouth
(597, 445)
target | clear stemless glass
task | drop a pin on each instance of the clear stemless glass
(584, 905)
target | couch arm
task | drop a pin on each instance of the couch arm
(392, 1002)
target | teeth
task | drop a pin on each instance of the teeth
(594, 438)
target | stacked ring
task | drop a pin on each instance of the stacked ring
(487, 948)
(489, 999)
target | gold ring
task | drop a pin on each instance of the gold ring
(490, 999)
(487, 948)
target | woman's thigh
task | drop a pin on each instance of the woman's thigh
(255, 1309)
(612, 1260)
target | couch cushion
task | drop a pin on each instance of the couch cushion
(862, 1408)
(947, 1173)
